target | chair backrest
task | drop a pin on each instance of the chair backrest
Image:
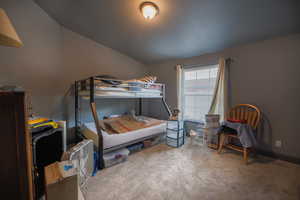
(246, 112)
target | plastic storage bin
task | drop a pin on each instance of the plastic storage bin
(212, 121)
(175, 133)
(175, 143)
(135, 147)
(175, 125)
(115, 157)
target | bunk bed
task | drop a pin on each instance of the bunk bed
(100, 88)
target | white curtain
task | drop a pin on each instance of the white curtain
(179, 80)
(219, 104)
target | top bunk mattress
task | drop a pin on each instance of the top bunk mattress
(111, 88)
(111, 140)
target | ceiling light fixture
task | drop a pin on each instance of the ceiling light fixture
(149, 10)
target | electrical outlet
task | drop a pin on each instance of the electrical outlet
(278, 143)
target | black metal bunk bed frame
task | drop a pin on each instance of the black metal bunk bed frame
(96, 118)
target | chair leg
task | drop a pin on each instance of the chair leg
(245, 153)
(222, 140)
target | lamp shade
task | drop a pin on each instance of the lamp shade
(8, 35)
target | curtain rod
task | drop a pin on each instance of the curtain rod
(230, 60)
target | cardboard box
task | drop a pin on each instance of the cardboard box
(62, 181)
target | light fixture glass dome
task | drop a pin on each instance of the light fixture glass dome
(149, 10)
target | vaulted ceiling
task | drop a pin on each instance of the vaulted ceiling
(183, 28)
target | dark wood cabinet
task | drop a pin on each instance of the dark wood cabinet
(16, 181)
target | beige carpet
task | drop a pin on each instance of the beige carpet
(192, 172)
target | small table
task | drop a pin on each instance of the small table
(175, 133)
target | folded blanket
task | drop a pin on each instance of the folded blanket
(245, 133)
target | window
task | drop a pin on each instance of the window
(197, 91)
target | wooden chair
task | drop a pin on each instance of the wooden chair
(251, 114)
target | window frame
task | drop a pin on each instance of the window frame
(187, 69)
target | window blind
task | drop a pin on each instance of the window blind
(197, 91)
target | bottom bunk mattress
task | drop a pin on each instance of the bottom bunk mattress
(112, 140)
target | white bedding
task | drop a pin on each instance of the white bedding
(100, 93)
(103, 91)
(90, 132)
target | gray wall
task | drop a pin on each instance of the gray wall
(37, 64)
(83, 58)
(53, 57)
(266, 74)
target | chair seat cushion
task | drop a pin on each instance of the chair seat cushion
(237, 121)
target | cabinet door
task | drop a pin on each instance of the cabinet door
(15, 170)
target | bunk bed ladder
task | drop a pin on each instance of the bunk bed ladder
(165, 103)
(76, 109)
(140, 106)
(100, 137)
(97, 123)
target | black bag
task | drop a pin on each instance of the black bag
(226, 130)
